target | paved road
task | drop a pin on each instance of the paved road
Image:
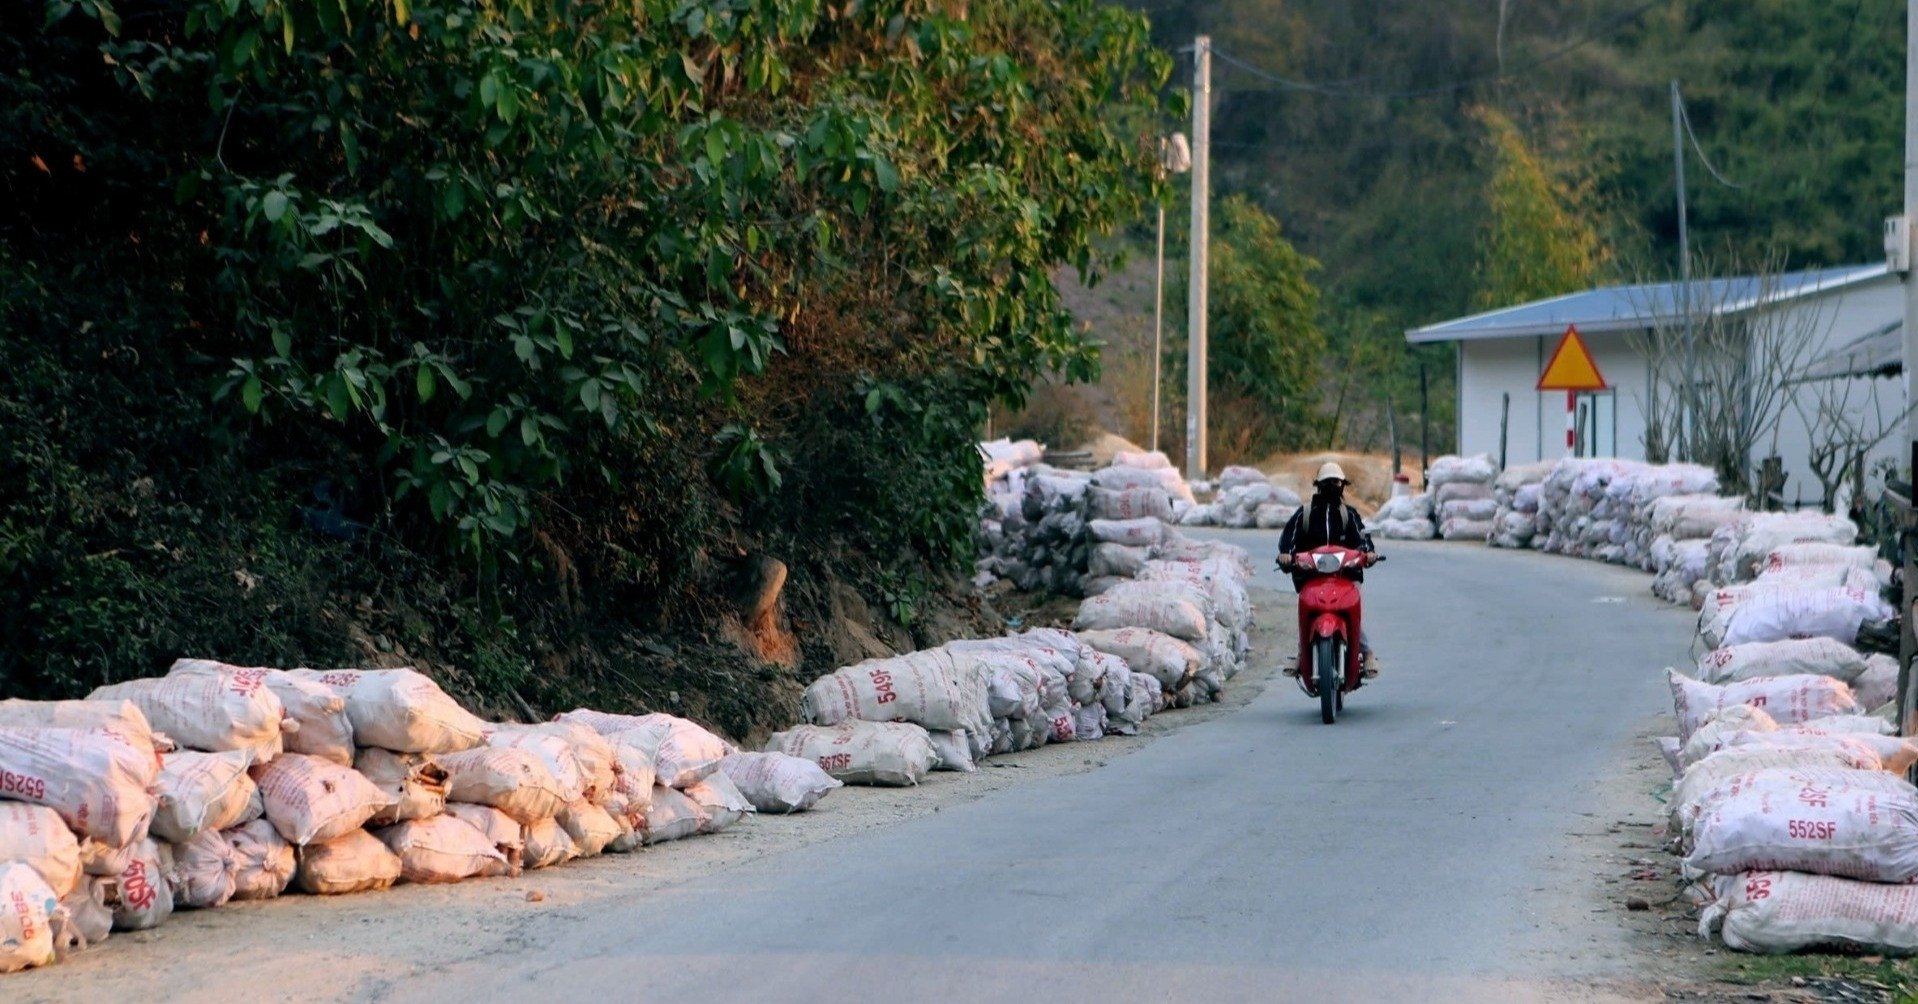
(1407, 853)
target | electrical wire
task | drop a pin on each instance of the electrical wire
(1685, 116)
(1339, 90)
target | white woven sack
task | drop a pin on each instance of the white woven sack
(356, 862)
(1710, 737)
(122, 717)
(501, 830)
(634, 784)
(594, 752)
(1114, 561)
(321, 727)
(881, 753)
(552, 749)
(681, 751)
(36, 836)
(1130, 532)
(27, 923)
(1131, 503)
(443, 849)
(203, 872)
(1847, 830)
(90, 918)
(513, 781)
(98, 780)
(201, 791)
(927, 688)
(1787, 699)
(1808, 613)
(1787, 555)
(673, 816)
(1778, 912)
(1790, 657)
(413, 781)
(1878, 684)
(954, 750)
(208, 711)
(547, 844)
(146, 889)
(591, 827)
(719, 801)
(263, 862)
(1171, 662)
(776, 782)
(400, 710)
(310, 800)
(1725, 772)
(1895, 754)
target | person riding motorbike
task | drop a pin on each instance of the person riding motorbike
(1326, 519)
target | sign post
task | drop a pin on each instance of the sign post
(1571, 369)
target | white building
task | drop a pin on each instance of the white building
(1851, 316)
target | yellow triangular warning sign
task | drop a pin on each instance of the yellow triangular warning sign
(1571, 367)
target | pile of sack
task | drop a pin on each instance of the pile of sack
(1462, 497)
(1246, 499)
(1167, 627)
(218, 783)
(1404, 516)
(1789, 803)
(1519, 492)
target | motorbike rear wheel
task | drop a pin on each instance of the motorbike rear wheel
(1328, 669)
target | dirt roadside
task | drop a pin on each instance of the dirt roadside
(347, 948)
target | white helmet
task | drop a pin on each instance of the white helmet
(1330, 471)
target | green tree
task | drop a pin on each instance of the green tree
(1538, 239)
(1264, 345)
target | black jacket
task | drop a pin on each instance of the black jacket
(1320, 522)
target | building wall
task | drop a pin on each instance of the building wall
(1489, 368)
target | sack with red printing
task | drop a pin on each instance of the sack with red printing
(355, 862)
(400, 710)
(882, 753)
(1700, 782)
(1839, 828)
(1172, 608)
(310, 800)
(592, 751)
(415, 783)
(203, 872)
(28, 912)
(98, 780)
(323, 729)
(1776, 912)
(775, 782)
(1805, 613)
(1787, 699)
(682, 752)
(1791, 657)
(928, 688)
(36, 836)
(443, 849)
(1710, 737)
(719, 801)
(213, 712)
(201, 791)
(146, 888)
(1895, 754)
(513, 781)
(263, 862)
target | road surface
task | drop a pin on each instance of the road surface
(1421, 849)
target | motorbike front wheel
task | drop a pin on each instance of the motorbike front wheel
(1328, 669)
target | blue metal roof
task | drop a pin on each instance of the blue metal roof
(1627, 308)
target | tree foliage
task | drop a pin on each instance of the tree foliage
(651, 280)
(1538, 238)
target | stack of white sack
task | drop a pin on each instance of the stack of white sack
(1518, 491)
(1835, 606)
(1740, 549)
(1034, 529)
(1247, 498)
(668, 783)
(1577, 516)
(1404, 517)
(1636, 492)
(1003, 456)
(1461, 490)
(1681, 527)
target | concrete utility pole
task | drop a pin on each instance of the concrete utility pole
(1907, 643)
(1201, 196)
(1175, 157)
(1684, 275)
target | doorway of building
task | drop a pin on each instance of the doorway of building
(1596, 425)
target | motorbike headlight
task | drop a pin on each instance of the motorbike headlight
(1327, 563)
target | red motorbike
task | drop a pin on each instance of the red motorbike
(1329, 665)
